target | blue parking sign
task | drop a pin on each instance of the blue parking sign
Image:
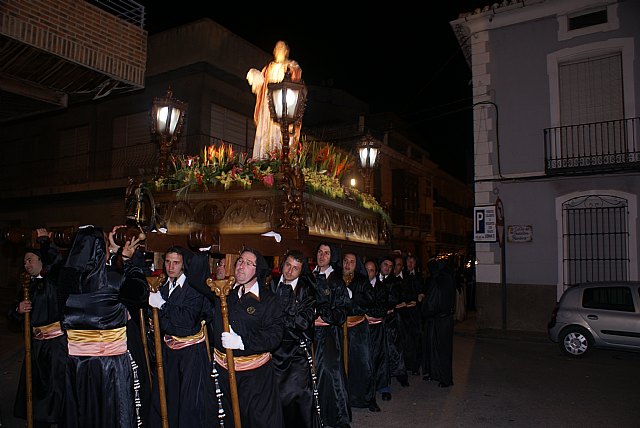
(484, 223)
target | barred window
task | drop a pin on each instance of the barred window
(595, 233)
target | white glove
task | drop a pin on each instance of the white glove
(232, 340)
(156, 300)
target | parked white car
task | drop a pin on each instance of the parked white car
(597, 315)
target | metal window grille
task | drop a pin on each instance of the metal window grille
(595, 231)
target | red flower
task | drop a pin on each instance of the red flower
(268, 180)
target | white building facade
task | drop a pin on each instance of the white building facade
(557, 141)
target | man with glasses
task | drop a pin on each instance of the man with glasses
(255, 330)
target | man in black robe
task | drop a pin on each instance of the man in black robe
(292, 360)
(360, 365)
(393, 284)
(437, 313)
(409, 317)
(136, 343)
(376, 314)
(415, 294)
(183, 313)
(256, 330)
(48, 341)
(99, 378)
(332, 304)
(404, 328)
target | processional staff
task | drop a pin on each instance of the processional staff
(143, 333)
(154, 284)
(26, 280)
(222, 287)
(345, 331)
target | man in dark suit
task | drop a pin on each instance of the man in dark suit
(183, 312)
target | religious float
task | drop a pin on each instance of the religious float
(224, 200)
(287, 195)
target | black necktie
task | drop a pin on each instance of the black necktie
(282, 288)
(241, 291)
(285, 292)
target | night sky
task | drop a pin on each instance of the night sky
(401, 58)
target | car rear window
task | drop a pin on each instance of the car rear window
(611, 298)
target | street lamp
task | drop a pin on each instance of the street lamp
(287, 101)
(167, 120)
(368, 153)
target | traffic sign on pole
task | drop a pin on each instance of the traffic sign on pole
(484, 219)
(500, 221)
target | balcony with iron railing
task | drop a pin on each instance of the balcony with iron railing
(128, 10)
(596, 147)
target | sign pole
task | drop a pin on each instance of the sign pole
(503, 264)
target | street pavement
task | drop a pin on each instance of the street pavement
(501, 379)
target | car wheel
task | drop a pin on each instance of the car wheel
(575, 341)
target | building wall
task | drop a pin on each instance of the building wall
(204, 41)
(80, 32)
(514, 51)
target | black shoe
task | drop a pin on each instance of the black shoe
(444, 384)
(427, 377)
(404, 381)
(373, 407)
(386, 396)
(415, 373)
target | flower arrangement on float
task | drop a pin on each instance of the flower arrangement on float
(323, 166)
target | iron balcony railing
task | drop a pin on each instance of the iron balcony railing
(129, 10)
(592, 147)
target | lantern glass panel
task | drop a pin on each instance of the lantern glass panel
(292, 100)
(162, 117)
(368, 156)
(373, 154)
(277, 102)
(173, 122)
